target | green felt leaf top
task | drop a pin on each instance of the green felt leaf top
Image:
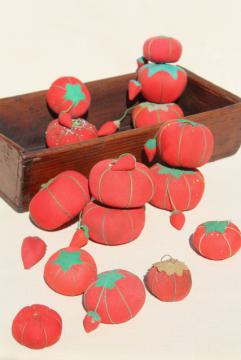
(153, 106)
(184, 121)
(94, 315)
(74, 93)
(151, 144)
(177, 173)
(85, 229)
(108, 279)
(67, 259)
(170, 69)
(218, 226)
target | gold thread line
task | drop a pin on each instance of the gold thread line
(189, 192)
(132, 225)
(124, 301)
(200, 243)
(137, 113)
(175, 287)
(179, 146)
(59, 204)
(78, 184)
(150, 179)
(230, 228)
(205, 146)
(131, 190)
(229, 247)
(106, 307)
(103, 227)
(87, 212)
(100, 182)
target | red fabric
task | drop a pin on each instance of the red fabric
(113, 226)
(161, 49)
(61, 201)
(59, 135)
(79, 239)
(181, 144)
(122, 189)
(177, 219)
(73, 281)
(32, 251)
(168, 287)
(119, 304)
(108, 128)
(161, 87)
(37, 326)
(216, 245)
(147, 114)
(57, 102)
(185, 191)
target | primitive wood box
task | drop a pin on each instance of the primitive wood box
(26, 163)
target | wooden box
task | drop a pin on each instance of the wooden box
(26, 163)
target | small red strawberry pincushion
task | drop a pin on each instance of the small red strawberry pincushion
(37, 326)
(110, 226)
(122, 182)
(169, 280)
(217, 240)
(115, 297)
(59, 200)
(70, 271)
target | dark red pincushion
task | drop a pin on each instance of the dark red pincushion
(184, 143)
(113, 226)
(176, 189)
(68, 94)
(70, 271)
(121, 188)
(37, 326)
(59, 200)
(162, 49)
(59, 135)
(146, 114)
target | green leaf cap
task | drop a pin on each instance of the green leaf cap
(95, 316)
(85, 229)
(151, 144)
(170, 69)
(176, 173)
(171, 266)
(108, 279)
(74, 93)
(218, 226)
(184, 121)
(154, 107)
(67, 259)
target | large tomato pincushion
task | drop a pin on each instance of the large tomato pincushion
(169, 280)
(176, 190)
(59, 200)
(147, 113)
(59, 135)
(115, 297)
(217, 240)
(37, 326)
(112, 226)
(159, 83)
(184, 143)
(162, 49)
(121, 183)
(68, 94)
(70, 271)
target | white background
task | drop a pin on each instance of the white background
(42, 40)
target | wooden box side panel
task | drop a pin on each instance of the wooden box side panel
(225, 125)
(10, 172)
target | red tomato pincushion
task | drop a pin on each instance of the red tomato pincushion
(70, 271)
(68, 94)
(159, 83)
(121, 183)
(113, 226)
(176, 189)
(217, 240)
(115, 297)
(59, 135)
(146, 113)
(169, 280)
(37, 326)
(184, 143)
(59, 200)
(162, 49)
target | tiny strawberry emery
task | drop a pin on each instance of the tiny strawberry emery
(65, 119)
(125, 162)
(150, 149)
(32, 251)
(91, 321)
(80, 237)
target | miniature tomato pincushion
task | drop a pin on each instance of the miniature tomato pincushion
(159, 83)
(37, 326)
(59, 135)
(147, 113)
(112, 226)
(176, 190)
(68, 94)
(70, 271)
(169, 280)
(122, 182)
(217, 240)
(115, 297)
(162, 49)
(184, 143)
(59, 200)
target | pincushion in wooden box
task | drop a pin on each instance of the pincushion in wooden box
(26, 163)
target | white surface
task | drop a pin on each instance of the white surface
(43, 40)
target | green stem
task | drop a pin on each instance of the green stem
(126, 112)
